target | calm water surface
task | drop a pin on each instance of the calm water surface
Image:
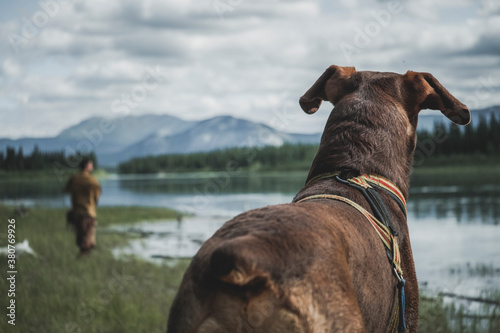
(455, 230)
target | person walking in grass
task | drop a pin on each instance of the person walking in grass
(85, 191)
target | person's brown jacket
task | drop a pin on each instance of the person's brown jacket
(85, 192)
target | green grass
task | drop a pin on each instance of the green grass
(44, 175)
(433, 315)
(440, 316)
(57, 292)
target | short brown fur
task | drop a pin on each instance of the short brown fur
(317, 266)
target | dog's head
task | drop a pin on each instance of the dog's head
(412, 91)
(372, 128)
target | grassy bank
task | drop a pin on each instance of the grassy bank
(44, 175)
(440, 316)
(441, 170)
(55, 292)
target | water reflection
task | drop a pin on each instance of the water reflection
(169, 239)
(467, 205)
(451, 227)
(223, 194)
(22, 189)
(218, 183)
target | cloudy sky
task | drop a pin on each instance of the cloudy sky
(63, 61)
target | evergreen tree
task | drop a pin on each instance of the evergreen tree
(10, 158)
(37, 160)
(454, 141)
(481, 135)
(468, 140)
(494, 133)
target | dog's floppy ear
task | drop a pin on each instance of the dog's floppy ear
(425, 92)
(330, 86)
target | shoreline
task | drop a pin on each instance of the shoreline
(482, 170)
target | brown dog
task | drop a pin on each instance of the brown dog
(318, 265)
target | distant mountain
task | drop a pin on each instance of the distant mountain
(45, 144)
(119, 139)
(216, 133)
(118, 133)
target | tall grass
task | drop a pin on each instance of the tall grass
(56, 292)
(441, 315)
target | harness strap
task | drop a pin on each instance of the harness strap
(371, 195)
(382, 223)
(323, 176)
(391, 189)
(370, 181)
(402, 306)
(391, 245)
(388, 239)
(394, 323)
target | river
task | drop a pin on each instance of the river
(454, 230)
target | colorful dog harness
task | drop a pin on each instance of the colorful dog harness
(382, 224)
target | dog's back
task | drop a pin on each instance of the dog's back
(317, 265)
(276, 269)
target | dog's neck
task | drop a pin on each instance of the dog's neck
(361, 139)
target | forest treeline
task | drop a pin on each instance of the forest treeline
(444, 140)
(285, 157)
(468, 142)
(13, 159)
(453, 139)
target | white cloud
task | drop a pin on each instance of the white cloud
(11, 68)
(251, 60)
(56, 40)
(122, 69)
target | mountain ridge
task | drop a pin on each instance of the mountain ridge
(115, 140)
